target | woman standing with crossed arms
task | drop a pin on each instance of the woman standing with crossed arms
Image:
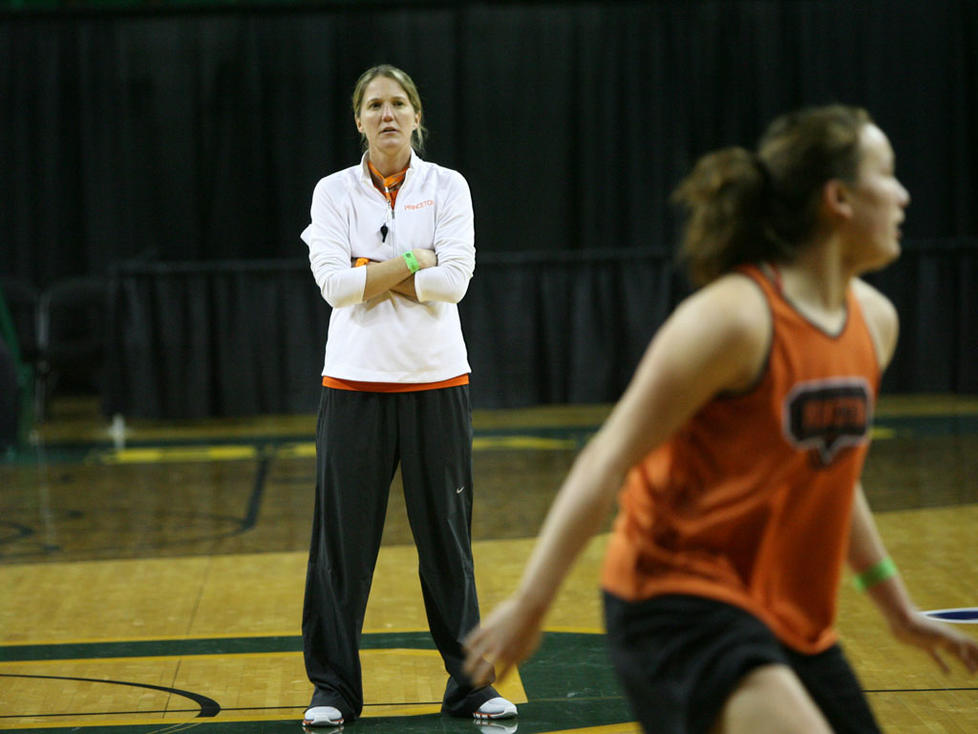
(737, 449)
(391, 246)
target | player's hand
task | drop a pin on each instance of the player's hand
(505, 638)
(937, 638)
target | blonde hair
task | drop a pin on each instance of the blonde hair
(410, 89)
(748, 207)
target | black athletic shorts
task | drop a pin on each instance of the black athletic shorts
(680, 657)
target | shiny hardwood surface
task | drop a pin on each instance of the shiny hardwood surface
(171, 559)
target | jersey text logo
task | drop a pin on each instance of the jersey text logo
(826, 416)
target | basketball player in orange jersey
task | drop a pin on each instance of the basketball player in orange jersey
(737, 449)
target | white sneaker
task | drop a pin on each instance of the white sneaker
(495, 708)
(322, 716)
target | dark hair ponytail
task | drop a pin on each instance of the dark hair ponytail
(727, 201)
(743, 207)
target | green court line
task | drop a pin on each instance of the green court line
(197, 646)
(266, 644)
(917, 426)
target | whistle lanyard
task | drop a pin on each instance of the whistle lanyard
(388, 186)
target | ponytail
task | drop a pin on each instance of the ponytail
(743, 207)
(727, 200)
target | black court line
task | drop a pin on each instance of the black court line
(105, 713)
(296, 707)
(918, 690)
(257, 492)
(237, 523)
(224, 709)
(208, 706)
(20, 531)
(243, 524)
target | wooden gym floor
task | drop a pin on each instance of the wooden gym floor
(155, 584)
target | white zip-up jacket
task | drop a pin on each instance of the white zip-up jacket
(390, 338)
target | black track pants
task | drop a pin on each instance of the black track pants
(360, 439)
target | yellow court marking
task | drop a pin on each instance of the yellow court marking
(307, 449)
(629, 728)
(26, 724)
(201, 597)
(146, 659)
(108, 640)
(926, 405)
(298, 450)
(229, 636)
(523, 442)
(160, 454)
(574, 630)
(153, 638)
(480, 443)
(368, 653)
(304, 450)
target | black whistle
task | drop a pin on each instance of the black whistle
(383, 233)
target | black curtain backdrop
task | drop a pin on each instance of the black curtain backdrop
(196, 137)
(238, 338)
(200, 136)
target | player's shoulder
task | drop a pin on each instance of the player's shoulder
(722, 332)
(881, 318)
(734, 299)
(871, 298)
(731, 308)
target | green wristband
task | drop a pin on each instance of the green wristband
(876, 574)
(412, 262)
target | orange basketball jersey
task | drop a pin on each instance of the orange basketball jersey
(750, 502)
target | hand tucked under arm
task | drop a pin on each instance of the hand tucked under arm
(406, 289)
(395, 275)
